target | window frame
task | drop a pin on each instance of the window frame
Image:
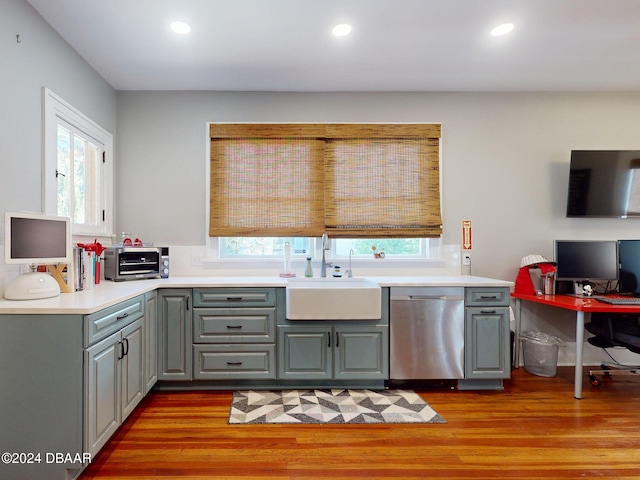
(431, 246)
(56, 110)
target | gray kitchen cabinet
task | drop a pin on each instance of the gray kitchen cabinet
(150, 340)
(41, 392)
(305, 353)
(234, 333)
(102, 391)
(333, 351)
(133, 384)
(487, 336)
(175, 342)
(114, 383)
(113, 369)
(85, 380)
(361, 352)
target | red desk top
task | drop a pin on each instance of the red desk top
(577, 304)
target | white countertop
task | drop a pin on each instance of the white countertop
(440, 281)
(109, 293)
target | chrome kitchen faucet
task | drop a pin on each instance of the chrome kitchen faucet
(325, 264)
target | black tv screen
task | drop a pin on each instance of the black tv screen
(604, 183)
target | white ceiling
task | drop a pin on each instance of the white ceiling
(396, 45)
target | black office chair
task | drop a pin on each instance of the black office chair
(614, 330)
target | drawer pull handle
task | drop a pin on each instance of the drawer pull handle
(236, 327)
(489, 297)
(487, 311)
(234, 364)
(234, 299)
(124, 315)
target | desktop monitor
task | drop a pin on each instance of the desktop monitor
(35, 239)
(586, 260)
(629, 275)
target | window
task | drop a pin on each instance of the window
(78, 170)
(244, 247)
(350, 180)
(391, 247)
(302, 247)
(633, 202)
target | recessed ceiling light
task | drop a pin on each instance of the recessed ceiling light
(180, 28)
(502, 29)
(341, 30)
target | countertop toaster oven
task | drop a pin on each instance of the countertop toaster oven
(135, 263)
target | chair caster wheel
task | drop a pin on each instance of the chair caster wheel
(594, 381)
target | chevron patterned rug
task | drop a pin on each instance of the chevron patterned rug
(330, 406)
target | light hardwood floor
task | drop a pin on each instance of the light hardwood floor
(533, 429)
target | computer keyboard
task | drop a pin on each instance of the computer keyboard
(619, 300)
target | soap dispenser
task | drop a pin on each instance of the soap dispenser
(308, 272)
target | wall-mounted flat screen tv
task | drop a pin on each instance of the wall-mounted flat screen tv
(604, 183)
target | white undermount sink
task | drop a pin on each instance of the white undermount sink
(333, 299)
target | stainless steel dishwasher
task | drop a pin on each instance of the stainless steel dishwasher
(427, 333)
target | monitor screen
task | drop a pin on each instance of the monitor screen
(32, 238)
(580, 260)
(629, 276)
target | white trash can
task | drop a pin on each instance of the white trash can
(540, 352)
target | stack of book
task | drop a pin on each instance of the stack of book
(86, 269)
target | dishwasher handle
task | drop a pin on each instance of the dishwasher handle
(427, 297)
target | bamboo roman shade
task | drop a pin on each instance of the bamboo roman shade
(349, 180)
(266, 180)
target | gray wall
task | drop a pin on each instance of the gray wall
(505, 155)
(41, 58)
(505, 159)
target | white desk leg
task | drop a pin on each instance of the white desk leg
(516, 342)
(577, 384)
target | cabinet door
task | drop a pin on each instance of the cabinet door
(304, 352)
(102, 394)
(150, 340)
(132, 384)
(174, 336)
(487, 343)
(361, 352)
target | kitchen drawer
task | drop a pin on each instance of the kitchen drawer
(234, 362)
(479, 296)
(103, 323)
(234, 297)
(234, 325)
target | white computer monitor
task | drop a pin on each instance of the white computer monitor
(36, 239)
